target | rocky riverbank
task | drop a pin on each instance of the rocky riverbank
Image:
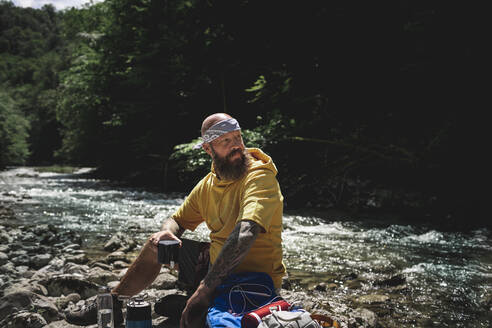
(45, 272)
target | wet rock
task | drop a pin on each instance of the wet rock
(74, 268)
(101, 276)
(5, 238)
(63, 301)
(116, 256)
(21, 260)
(39, 261)
(102, 265)
(26, 320)
(64, 324)
(120, 265)
(26, 285)
(28, 301)
(9, 269)
(79, 258)
(3, 258)
(391, 282)
(353, 284)
(372, 299)
(365, 317)
(120, 241)
(67, 284)
(164, 280)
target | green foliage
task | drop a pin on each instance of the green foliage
(13, 133)
(192, 164)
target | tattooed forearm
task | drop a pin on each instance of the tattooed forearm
(172, 226)
(234, 250)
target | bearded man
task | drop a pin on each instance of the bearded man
(241, 203)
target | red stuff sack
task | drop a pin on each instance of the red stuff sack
(253, 318)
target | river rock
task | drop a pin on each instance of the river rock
(372, 299)
(78, 258)
(76, 269)
(39, 261)
(391, 282)
(116, 256)
(25, 300)
(26, 285)
(164, 280)
(63, 301)
(66, 284)
(64, 324)
(8, 269)
(3, 258)
(100, 276)
(101, 265)
(26, 320)
(365, 317)
(120, 241)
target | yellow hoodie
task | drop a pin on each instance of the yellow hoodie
(223, 203)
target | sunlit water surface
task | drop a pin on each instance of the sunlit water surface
(447, 273)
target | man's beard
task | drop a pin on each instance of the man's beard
(228, 170)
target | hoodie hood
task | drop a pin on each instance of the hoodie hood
(259, 161)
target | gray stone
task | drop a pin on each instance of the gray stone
(164, 281)
(3, 258)
(39, 261)
(78, 258)
(100, 276)
(25, 300)
(27, 320)
(21, 260)
(120, 241)
(372, 299)
(66, 284)
(366, 317)
(116, 256)
(26, 286)
(8, 268)
(64, 324)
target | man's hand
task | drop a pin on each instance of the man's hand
(171, 230)
(163, 235)
(196, 307)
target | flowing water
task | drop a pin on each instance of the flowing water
(446, 275)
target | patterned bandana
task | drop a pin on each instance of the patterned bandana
(217, 130)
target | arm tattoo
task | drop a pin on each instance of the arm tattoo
(172, 226)
(234, 250)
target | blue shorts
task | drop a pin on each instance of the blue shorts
(239, 294)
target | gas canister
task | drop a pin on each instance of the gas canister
(138, 313)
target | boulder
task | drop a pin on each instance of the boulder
(372, 299)
(39, 261)
(100, 276)
(26, 285)
(3, 258)
(367, 318)
(25, 300)
(120, 241)
(26, 320)
(77, 258)
(164, 280)
(116, 256)
(66, 284)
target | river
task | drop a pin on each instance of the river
(447, 274)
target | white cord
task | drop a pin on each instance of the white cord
(239, 289)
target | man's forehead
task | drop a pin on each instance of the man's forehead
(229, 134)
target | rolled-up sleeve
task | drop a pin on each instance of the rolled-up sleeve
(261, 199)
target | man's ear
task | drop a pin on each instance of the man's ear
(207, 149)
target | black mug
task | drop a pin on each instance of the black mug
(168, 251)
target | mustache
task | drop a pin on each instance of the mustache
(232, 153)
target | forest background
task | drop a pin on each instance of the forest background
(366, 107)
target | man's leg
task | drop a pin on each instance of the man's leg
(139, 276)
(141, 273)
